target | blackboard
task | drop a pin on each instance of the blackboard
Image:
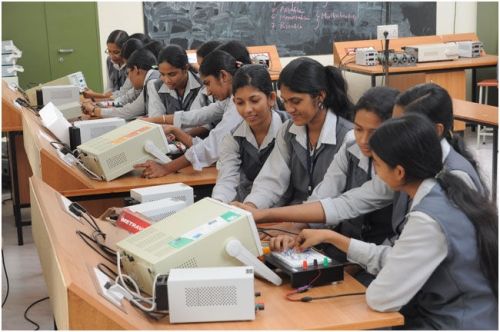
(296, 28)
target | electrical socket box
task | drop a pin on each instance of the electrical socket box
(392, 30)
(211, 294)
(174, 190)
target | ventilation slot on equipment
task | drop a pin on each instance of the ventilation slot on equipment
(116, 160)
(211, 296)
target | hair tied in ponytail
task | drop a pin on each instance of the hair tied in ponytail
(239, 64)
(440, 174)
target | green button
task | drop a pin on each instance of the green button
(180, 242)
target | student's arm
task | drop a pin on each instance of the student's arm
(156, 109)
(200, 132)
(152, 169)
(371, 196)
(212, 113)
(206, 152)
(180, 135)
(405, 267)
(128, 97)
(127, 112)
(274, 177)
(229, 166)
(127, 85)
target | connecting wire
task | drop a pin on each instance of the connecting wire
(303, 288)
(311, 298)
(107, 271)
(7, 278)
(264, 230)
(88, 240)
(136, 292)
(64, 145)
(29, 307)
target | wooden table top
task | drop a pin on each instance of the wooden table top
(11, 114)
(461, 63)
(476, 113)
(56, 241)
(71, 181)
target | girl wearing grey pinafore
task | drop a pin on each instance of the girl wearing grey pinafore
(241, 155)
(442, 273)
(163, 99)
(295, 167)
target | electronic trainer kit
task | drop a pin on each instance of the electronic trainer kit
(309, 267)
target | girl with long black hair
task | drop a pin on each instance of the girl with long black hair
(442, 273)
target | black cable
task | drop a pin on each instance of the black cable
(87, 238)
(7, 278)
(312, 298)
(264, 230)
(27, 309)
(107, 271)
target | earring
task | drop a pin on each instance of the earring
(321, 105)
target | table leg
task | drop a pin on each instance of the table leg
(494, 170)
(374, 81)
(14, 181)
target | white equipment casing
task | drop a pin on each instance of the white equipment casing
(433, 52)
(115, 153)
(90, 129)
(175, 190)
(211, 294)
(197, 236)
(155, 211)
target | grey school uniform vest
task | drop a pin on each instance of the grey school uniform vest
(454, 161)
(173, 104)
(373, 227)
(155, 75)
(457, 295)
(252, 161)
(304, 176)
(116, 76)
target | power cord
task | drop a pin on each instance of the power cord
(89, 240)
(29, 307)
(7, 278)
(265, 231)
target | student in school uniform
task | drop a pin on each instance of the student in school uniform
(203, 51)
(115, 64)
(245, 150)
(315, 97)
(177, 89)
(429, 99)
(141, 68)
(127, 94)
(442, 273)
(217, 72)
(140, 36)
(211, 115)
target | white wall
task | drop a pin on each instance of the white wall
(128, 16)
(117, 15)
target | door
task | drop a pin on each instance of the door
(73, 40)
(57, 38)
(24, 23)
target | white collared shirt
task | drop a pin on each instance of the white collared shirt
(155, 105)
(206, 152)
(403, 269)
(372, 195)
(229, 164)
(274, 177)
(132, 110)
(335, 178)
